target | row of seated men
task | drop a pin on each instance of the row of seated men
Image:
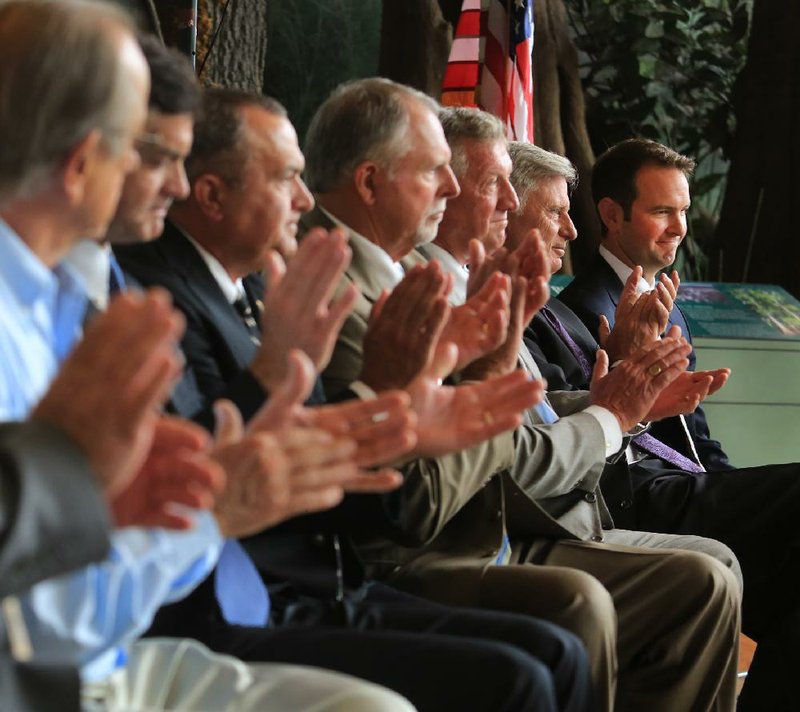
(391, 512)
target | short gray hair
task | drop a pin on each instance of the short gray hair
(461, 123)
(362, 120)
(60, 78)
(533, 164)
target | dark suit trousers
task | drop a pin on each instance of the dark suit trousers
(440, 658)
(755, 511)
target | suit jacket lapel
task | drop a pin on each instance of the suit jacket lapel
(360, 270)
(609, 280)
(189, 265)
(575, 327)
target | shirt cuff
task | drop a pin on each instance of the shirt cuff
(612, 433)
(363, 391)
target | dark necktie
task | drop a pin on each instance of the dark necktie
(245, 312)
(569, 342)
(645, 441)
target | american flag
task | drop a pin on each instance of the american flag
(490, 62)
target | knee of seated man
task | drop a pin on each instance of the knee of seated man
(511, 668)
(724, 554)
(702, 572)
(590, 607)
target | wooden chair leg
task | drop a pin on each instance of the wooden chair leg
(747, 649)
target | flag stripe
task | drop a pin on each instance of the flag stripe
(497, 70)
(465, 49)
(469, 24)
(461, 76)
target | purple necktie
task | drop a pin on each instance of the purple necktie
(654, 446)
(569, 342)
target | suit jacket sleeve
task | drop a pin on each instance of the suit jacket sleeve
(553, 460)
(52, 517)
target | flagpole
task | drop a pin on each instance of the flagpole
(186, 37)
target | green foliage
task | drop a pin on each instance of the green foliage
(314, 45)
(666, 70)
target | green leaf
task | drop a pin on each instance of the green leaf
(654, 29)
(647, 65)
(707, 183)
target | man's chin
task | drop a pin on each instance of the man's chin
(426, 235)
(286, 247)
(666, 260)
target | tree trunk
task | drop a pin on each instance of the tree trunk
(415, 44)
(239, 53)
(560, 118)
(755, 237)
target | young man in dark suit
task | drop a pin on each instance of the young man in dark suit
(752, 510)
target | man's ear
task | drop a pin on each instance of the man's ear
(611, 214)
(78, 166)
(365, 177)
(210, 192)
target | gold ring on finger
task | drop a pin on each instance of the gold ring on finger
(655, 369)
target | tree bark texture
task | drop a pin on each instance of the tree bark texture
(415, 44)
(239, 53)
(560, 118)
(756, 236)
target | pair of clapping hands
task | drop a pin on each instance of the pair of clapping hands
(649, 365)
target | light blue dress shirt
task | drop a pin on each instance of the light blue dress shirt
(41, 311)
(88, 617)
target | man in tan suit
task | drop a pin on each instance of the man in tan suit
(379, 165)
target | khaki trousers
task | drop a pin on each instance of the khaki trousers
(661, 622)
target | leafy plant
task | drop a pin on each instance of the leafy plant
(666, 70)
(313, 45)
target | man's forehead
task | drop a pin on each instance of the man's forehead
(270, 132)
(486, 157)
(549, 192)
(661, 183)
(423, 131)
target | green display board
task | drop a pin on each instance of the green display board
(740, 311)
(753, 329)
